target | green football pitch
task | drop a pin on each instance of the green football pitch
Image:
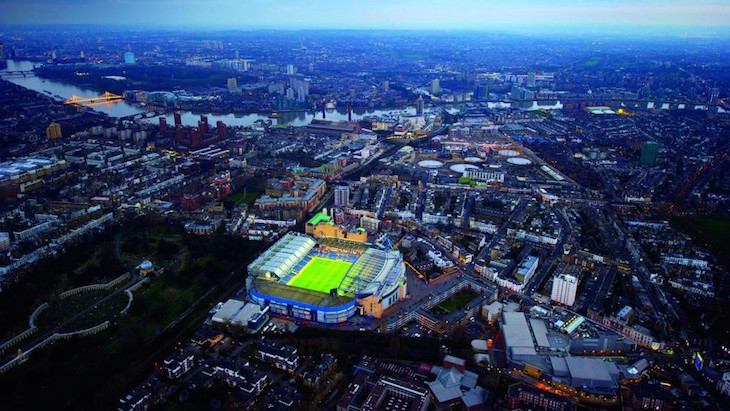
(321, 274)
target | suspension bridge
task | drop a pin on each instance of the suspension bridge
(105, 98)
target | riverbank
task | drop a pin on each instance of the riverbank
(26, 115)
(116, 79)
(229, 115)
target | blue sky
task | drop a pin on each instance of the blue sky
(389, 14)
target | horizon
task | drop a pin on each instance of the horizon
(408, 15)
(546, 31)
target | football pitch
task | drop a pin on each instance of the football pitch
(321, 274)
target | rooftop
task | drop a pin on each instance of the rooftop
(594, 370)
(318, 218)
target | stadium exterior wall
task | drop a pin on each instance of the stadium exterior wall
(374, 306)
(299, 310)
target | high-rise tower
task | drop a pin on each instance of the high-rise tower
(419, 106)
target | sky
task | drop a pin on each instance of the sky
(371, 14)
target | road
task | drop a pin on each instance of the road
(637, 266)
(541, 275)
(503, 229)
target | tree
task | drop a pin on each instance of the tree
(166, 249)
(170, 295)
(130, 245)
(159, 312)
(110, 391)
(395, 346)
(135, 371)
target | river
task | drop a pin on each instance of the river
(62, 91)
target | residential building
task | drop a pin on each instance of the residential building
(53, 130)
(290, 198)
(486, 176)
(342, 196)
(283, 357)
(232, 84)
(564, 290)
(419, 106)
(137, 400)
(246, 378)
(651, 397)
(523, 396)
(393, 394)
(178, 364)
(435, 86)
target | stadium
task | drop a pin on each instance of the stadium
(326, 280)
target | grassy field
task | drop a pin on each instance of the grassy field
(458, 300)
(240, 197)
(247, 190)
(321, 274)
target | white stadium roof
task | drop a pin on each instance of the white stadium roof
(282, 256)
(374, 272)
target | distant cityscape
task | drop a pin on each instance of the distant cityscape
(363, 220)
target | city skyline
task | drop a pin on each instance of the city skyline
(378, 14)
(320, 205)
